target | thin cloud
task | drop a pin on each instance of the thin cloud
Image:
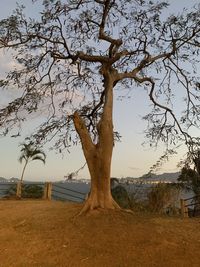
(7, 63)
(135, 168)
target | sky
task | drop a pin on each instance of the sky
(130, 157)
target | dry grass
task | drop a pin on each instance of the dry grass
(44, 234)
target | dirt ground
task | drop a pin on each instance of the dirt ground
(46, 234)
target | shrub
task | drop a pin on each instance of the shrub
(11, 192)
(32, 191)
(28, 191)
(121, 196)
(163, 198)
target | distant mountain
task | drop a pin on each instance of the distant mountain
(172, 177)
(148, 178)
(164, 177)
(13, 180)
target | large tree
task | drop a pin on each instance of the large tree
(75, 54)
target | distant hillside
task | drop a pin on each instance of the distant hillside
(173, 176)
(13, 180)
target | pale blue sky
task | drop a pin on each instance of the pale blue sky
(130, 158)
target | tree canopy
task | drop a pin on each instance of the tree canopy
(61, 54)
(30, 153)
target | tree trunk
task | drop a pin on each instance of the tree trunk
(19, 193)
(22, 176)
(99, 163)
(98, 156)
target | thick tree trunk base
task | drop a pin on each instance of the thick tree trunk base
(92, 204)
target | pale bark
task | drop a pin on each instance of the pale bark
(98, 156)
(19, 193)
(22, 176)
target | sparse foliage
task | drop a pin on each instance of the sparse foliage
(30, 153)
(74, 174)
(191, 176)
(190, 179)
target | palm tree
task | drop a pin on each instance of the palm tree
(30, 153)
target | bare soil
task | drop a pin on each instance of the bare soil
(46, 234)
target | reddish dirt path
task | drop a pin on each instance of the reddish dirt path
(44, 234)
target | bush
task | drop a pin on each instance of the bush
(32, 191)
(121, 196)
(11, 192)
(28, 191)
(163, 198)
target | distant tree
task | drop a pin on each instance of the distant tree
(30, 153)
(191, 177)
(77, 53)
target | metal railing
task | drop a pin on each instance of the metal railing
(5, 188)
(44, 190)
(64, 193)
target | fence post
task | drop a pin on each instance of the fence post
(19, 190)
(47, 191)
(184, 209)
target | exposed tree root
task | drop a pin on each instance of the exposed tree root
(89, 209)
(93, 204)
